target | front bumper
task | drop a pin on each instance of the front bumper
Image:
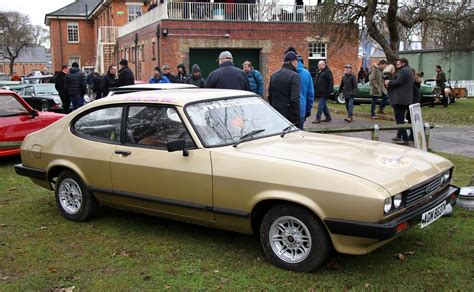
(394, 226)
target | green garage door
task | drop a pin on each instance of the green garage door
(206, 58)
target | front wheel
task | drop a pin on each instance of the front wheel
(74, 201)
(340, 97)
(293, 238)
(44, 106)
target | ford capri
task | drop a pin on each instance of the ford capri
(226, 159)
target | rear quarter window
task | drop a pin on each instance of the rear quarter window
(102, 125)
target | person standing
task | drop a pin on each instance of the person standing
(227, 76)
(383, 103)
(440, 79)
(255, 78)
(158, 77)
(75, 85)
(361, 75)
(90, 85)
(109, 80)
(125, 74)
(59, 85)
(182, 74)
(96, 86)
(166, 72)
(376, 85)
(400, 92)
(349, 89)
(284, 90)
(196, 78)
(323, 88)
(15, 77)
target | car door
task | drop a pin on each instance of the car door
(16, 121)
(150, 177)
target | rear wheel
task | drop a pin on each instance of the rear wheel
(340, 97)
(293, 238)
(74, 201)
(44, 106)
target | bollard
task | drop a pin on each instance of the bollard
(375, 133)
(427, 135)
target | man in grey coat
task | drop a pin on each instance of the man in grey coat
(400, 91)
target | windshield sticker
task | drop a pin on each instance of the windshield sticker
(234, 102)
(149, 99)
(393, 161)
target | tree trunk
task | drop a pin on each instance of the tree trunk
(12, 62)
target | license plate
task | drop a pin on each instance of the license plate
(432, 215)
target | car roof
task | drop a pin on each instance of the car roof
(153, 86)
(176, 97)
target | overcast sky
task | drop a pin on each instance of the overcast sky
(35, 9)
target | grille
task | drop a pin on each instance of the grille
(427, 188)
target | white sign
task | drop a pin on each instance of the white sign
(417, 126)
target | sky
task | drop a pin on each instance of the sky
(35, 9)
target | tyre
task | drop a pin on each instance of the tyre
(293, 238)
(340, 97)
(44, 106)
(74, 201)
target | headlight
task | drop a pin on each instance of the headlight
(446, 176)
(387, 206)
(57, 100)
(397, 201)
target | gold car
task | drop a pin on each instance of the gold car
(226, 159)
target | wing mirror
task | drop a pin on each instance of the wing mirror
(178, 145)
(34, 114)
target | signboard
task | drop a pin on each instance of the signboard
(417, 127)
(120, 12)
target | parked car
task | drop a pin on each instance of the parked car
(18, 119)
(148, 87)
(42, 96)
(227, 159)
(448, 91)
(38, 79)
(429, 94)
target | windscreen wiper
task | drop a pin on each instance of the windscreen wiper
(248, 135)
(287, 130)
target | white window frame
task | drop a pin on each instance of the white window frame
(136, 8)
(71, 26)
(73, 59)
(317, 51)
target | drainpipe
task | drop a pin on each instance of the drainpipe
(136, 54)
(158, 34)
(60, 41)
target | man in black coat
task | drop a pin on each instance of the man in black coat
(75, 85)
(284, 90)
(109, 80)
(227, 76)
(125, 74)
(59, 85)
(323, 88)
(400, 92)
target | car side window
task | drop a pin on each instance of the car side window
(103, 125)
(155, 126)
(29, 91)
(10, 106)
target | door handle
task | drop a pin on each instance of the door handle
(123, 153)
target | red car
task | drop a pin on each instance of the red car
(18, 119)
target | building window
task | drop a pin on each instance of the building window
(72, 32)
(317, 51)
(134, 11)
(75, 59)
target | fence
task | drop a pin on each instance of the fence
(375, 130)
(468, 84)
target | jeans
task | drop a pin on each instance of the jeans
(384, 102)
(400, 112)
(373, 105)
(77, 101)
(323, 109)
(349, 105)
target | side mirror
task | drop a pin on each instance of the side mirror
(34, 114)
(178, 145)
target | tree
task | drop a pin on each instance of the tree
(446, 24)
(17, 35)
(40, 35)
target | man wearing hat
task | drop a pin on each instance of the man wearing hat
(167, 72)
(284, 89)
(125, 74)
(75, 85)
(227, 76)
(349, 88)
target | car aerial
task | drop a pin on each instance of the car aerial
(226, 159)
(148, 87)
(41, 96)
(18, 119)
(428, 92)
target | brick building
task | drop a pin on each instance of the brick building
(194, 32)
(31, 59)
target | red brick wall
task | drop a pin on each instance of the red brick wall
(61, 50)
(27, 68)
(281, 36)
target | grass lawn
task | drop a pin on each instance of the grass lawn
(118, 250)
(459, 113)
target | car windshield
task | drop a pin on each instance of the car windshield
(46, 89)
(10, 106)
(223, 122)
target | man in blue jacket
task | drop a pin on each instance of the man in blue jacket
(158, 77)
(255, 78)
